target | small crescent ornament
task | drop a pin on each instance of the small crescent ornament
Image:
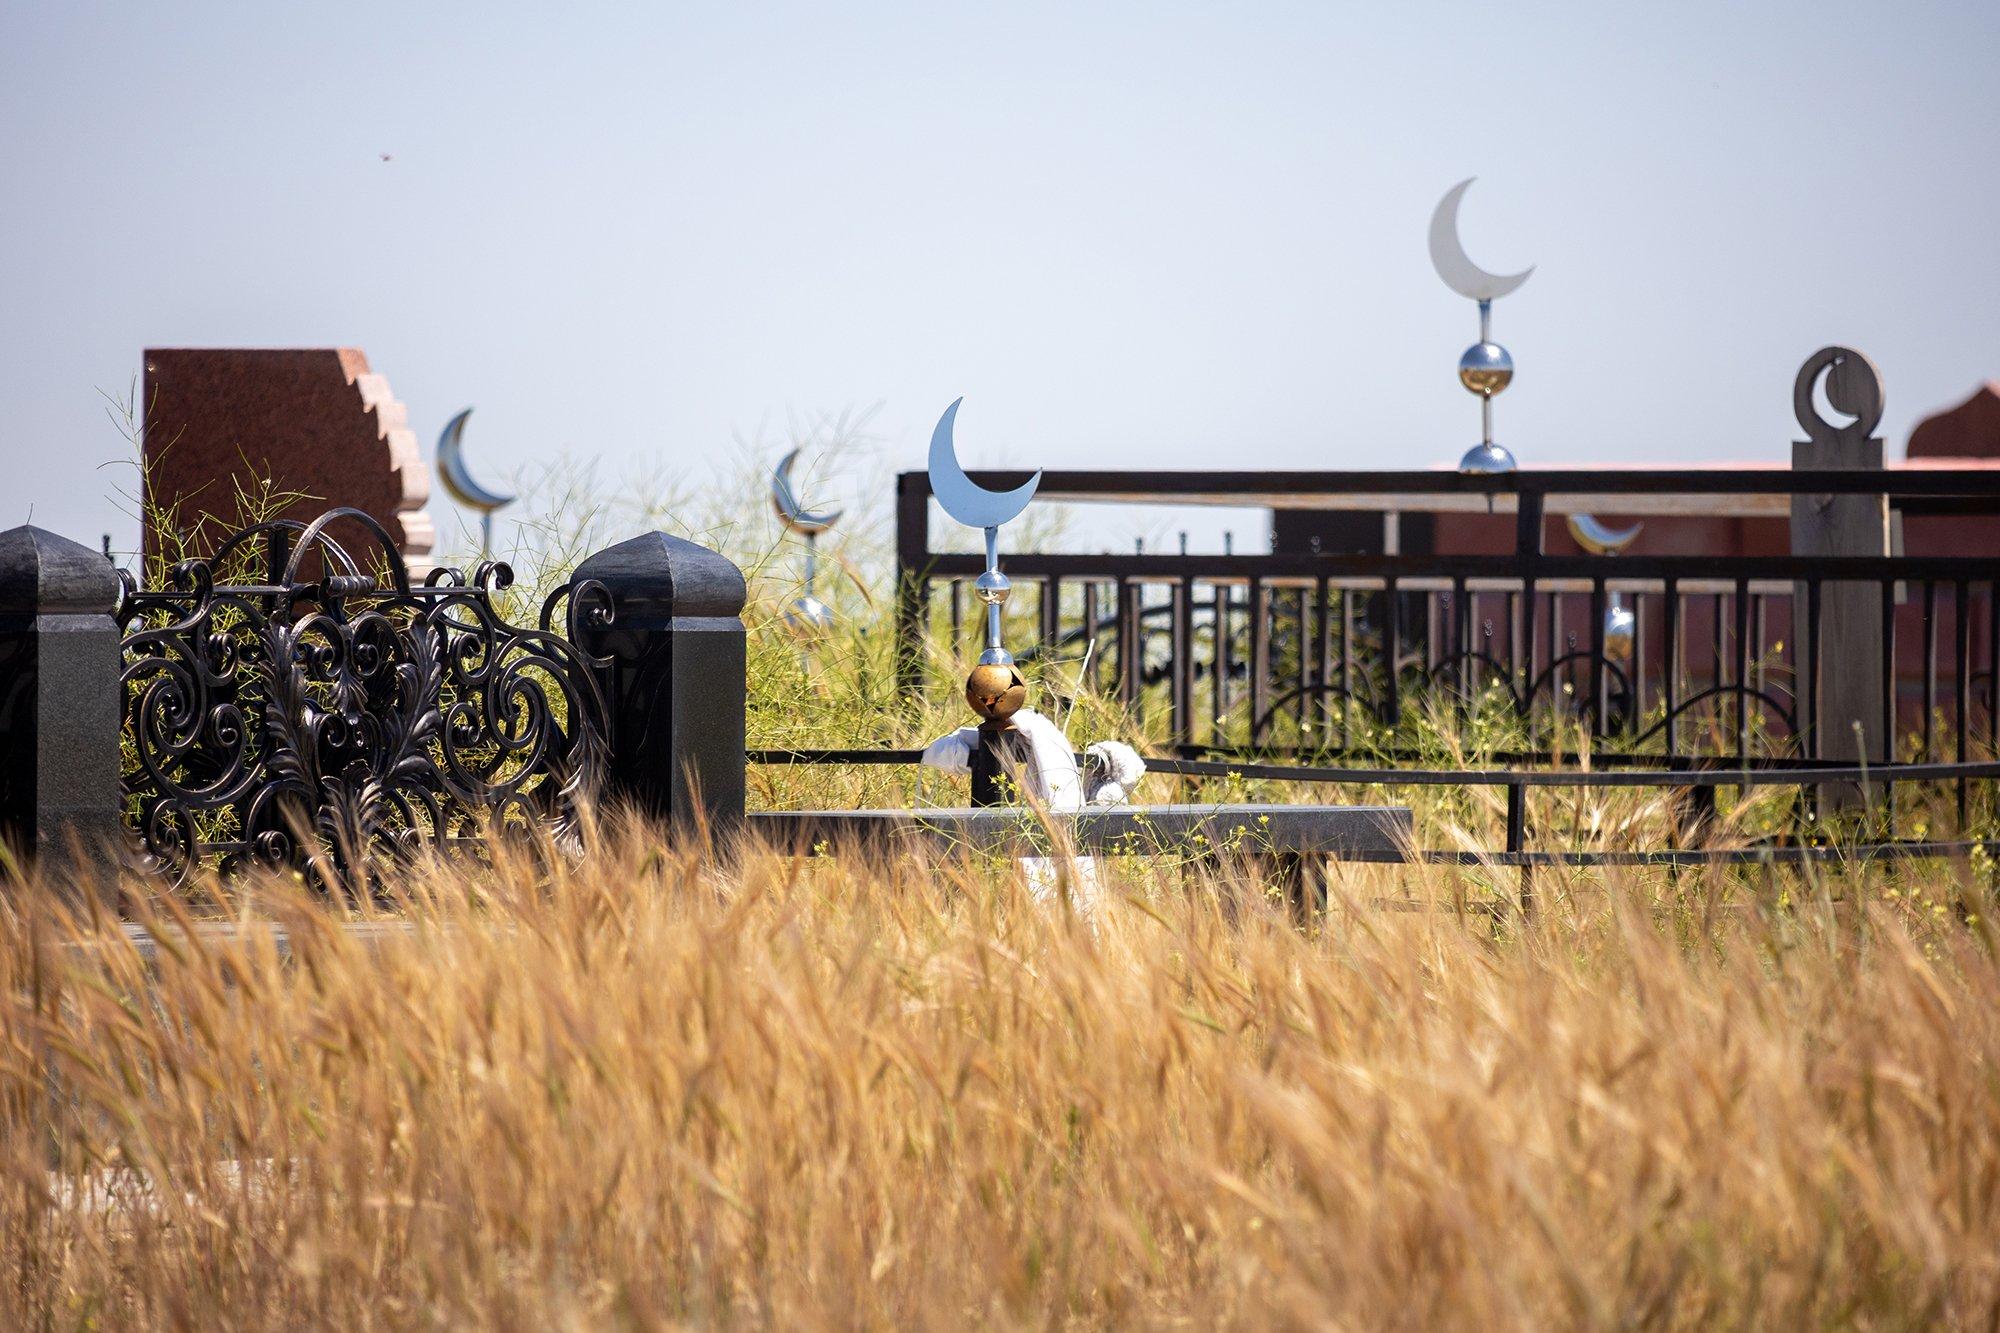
(785, 500)
(1591, 534)
(1448, 256)
(451, 470)
(962, 498)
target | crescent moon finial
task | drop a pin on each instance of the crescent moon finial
(1453, 265)
(966, 501)
(1591, 534)
(451, 470)
(786, 501)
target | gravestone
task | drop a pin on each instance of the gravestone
(315, 421)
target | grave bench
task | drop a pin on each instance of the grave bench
(1290, 843)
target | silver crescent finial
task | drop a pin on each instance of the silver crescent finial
(451, 470)
(1454, 265)
(969, 503)
(785, 500)
(1591, 534)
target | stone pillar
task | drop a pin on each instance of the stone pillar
(676, 687)
(59, 707)
(1847, 659)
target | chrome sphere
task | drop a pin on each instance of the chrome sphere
(992, 588)
(1487, 458)
(1620, 628)
(1486, 369)
(809, 615)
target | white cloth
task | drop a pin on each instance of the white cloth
(1111, 769)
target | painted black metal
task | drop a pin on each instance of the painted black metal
(321, 721)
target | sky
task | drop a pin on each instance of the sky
(1132, 235)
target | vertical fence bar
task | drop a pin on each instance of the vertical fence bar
(1346, 668)
(913, 541)
(1810, 645)
(1993, 667)
(1598, 685)
(1930, 667)
(1260, 657)
(1761, 637)
(1221, 596)
(1961, 680)
(1392, 638)
(1517, 838)
(1182, 677)
(1090, 631)
(1323, 638)
(1131, 651)
(1308, 642)
(1743, 703)
(1888, 748)
(1670, 683)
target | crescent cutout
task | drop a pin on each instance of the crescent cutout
(1597, 539)
(786, 501)
(451, 470)
(1448, 256)
(966, 501)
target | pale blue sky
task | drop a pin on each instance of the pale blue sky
(1132, 234)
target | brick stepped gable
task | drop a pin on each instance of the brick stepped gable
(317, 420)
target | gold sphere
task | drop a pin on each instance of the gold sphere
(996, 693)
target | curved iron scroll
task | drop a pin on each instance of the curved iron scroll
(324, 722)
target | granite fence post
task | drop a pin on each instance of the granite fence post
(59, 713)
(676, 686)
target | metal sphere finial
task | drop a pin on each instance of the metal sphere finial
(1488, 457)
(1486, 368)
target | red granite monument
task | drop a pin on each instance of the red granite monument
(312, 421)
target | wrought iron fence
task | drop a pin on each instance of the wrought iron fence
(1728, 656)
(334, 710)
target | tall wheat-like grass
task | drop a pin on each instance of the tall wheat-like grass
(648, 1088)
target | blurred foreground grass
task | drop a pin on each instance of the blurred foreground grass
(646, 1088)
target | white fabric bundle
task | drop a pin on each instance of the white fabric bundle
(1111, 769)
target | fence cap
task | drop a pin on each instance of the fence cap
(41, 572)
(667, 575)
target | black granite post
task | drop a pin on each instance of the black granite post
(59, 712)
(676, 686)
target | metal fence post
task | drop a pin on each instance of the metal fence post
(676, 686)
(1844, 665)
(59, 710)
(913, 510)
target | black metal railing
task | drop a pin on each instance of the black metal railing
(327, 709)
(1724, 654)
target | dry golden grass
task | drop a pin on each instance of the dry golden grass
(645, 1089)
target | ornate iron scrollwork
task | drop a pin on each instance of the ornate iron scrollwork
(324, 723)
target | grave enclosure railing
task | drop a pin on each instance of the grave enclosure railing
(1741, 659)
(325, 719)
(296, 699)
